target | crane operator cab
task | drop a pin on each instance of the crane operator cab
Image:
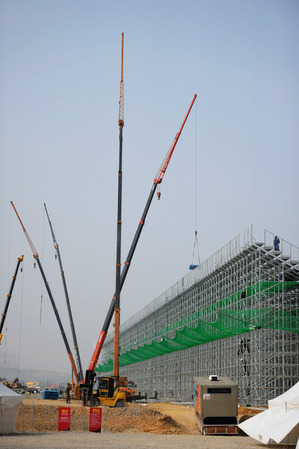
(105, 393)
(104, 385)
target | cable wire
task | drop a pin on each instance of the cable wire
(195, 246)
(21, 318)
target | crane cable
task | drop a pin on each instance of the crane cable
(21, 318)
(195, 246)
(9, 248)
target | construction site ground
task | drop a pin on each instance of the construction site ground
(152, 425)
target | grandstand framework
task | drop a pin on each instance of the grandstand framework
(235, 315)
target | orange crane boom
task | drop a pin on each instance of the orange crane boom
(157, 180)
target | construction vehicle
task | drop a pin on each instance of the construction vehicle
(119, 219)
(20, 259)
(76, 347)
(90, 373)
(129, 388)
(36, 257)
(15, 384)
(105, 390)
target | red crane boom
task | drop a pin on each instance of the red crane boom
(157, 180)
(163, 168)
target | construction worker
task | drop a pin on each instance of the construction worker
(276, 243)
(67, 393)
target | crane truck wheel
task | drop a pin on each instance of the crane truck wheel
(94, 402)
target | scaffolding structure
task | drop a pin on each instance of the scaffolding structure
(250, 283)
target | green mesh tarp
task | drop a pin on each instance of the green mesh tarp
(227, 324)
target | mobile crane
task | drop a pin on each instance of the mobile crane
(118, 238)
(20, 259)
(76, 347)
(90, 373)
(36, 257)
(106, 391)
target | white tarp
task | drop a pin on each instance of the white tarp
(9, 407)
(278, 424)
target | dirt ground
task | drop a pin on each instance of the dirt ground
(40, 415)
(89, 440)
(153, 425)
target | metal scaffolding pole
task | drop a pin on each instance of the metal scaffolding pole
(252, 280)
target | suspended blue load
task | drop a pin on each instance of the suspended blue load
(191, 267)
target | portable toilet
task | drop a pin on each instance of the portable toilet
(215, 402)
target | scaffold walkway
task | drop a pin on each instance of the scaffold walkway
(236, 315)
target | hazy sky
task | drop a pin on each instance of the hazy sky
(236, 163)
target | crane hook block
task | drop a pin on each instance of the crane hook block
(159, 195)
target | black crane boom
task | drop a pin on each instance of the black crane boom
(36, 256)
(20, 259)
(157, 180)
(76, 347)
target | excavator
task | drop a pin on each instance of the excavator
(98, 389)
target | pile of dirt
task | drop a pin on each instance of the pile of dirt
(247, 412)
(42, 416)
(157, 418)
(244, 410)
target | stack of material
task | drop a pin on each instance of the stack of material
(50, 394)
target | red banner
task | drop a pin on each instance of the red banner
(64, 418)
(95, 420)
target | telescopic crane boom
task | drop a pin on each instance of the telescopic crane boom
(20, 259)
(76, 348)
(119, 218)
(36, 256)
(90, 373)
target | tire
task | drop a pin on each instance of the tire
(94, 402)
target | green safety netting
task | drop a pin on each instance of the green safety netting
(227, 324)
(258, 291)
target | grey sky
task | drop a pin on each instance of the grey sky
(59, 78)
